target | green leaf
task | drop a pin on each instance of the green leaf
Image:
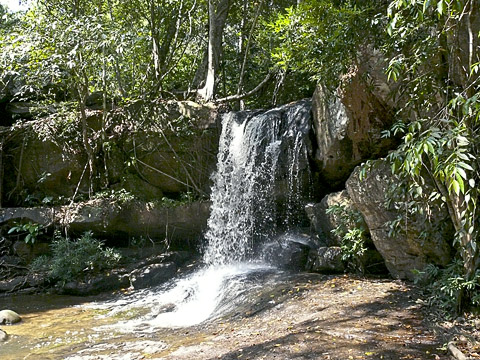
(461, 185)
(441, 7)
(456, 186)
(15, 228)
(461, 172)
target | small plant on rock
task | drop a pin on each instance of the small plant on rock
(353, 234)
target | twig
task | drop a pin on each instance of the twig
(457, 354)
(247, 94)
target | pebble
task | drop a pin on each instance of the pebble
(3, 335)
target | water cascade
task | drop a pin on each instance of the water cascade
(261, 174)
(261, 159)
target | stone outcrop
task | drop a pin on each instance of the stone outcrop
(326, 260)
(152, 275)
(96, 285)
(348, 124)
(180, 225)
(409, 249)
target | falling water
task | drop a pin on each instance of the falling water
(262, 167)
(261, 157)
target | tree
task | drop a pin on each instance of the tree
(217, 16)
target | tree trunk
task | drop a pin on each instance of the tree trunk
(217, 16)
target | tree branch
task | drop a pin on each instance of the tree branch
(247, 94)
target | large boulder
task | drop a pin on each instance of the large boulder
(47, 161)
(326, 260)
(408, 249)
(153, 275)
(96, 285)
(348, 125)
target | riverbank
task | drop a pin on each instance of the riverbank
(307, 316)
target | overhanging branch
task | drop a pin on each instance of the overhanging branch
(247, 94)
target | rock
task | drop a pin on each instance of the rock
(3, 336)
(286, 253)
(9, 317)
(168, 162)
(326, 260)
(407, 250)
(138, 187)
(27, 110)
(348, 127)
(324, 222)
(27, 252)
(13, 284)
(46, 171)
(96, 285)
(182, 225)
(152, 275)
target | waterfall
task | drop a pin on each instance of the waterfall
(262, 172)
(262, 160)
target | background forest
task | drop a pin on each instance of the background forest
(61, 55)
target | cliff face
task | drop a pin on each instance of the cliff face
(44, 160)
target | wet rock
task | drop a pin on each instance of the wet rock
(408, 249)
(152, 275)
(3, 336)
(326, 260)
(286, 254)
(96, 285)
(9, 317)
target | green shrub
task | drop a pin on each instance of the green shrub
(445, 285)
(74, 259)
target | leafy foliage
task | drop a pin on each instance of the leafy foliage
(443, 285)
(440, 120)
(30, 230)
(73, 259)
(353, 233)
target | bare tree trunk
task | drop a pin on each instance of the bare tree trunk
(217, 15)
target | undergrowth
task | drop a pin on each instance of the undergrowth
(73, 259)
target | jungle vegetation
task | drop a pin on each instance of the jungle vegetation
(261, 53)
